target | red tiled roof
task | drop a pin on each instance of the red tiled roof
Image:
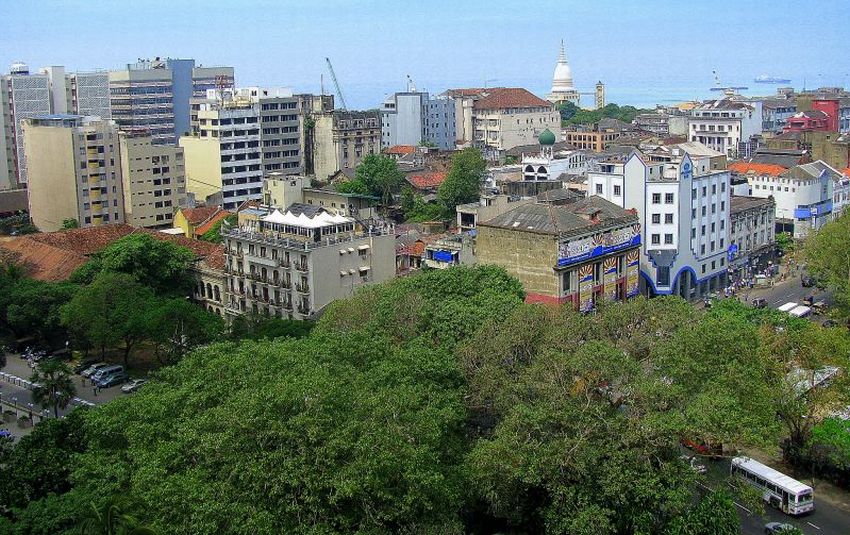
(426, 180)
(468, 92)
(204, 227)
(757, 168)
(84, 241)
(400, 149)
(53, 256)
(196, 216)
(509, 97)
(43, 261)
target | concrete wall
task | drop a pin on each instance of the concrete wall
(203, 165)
(148, 200)
(53, 178)
(528, 256)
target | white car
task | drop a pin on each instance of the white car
(88, 372)
(133, 385)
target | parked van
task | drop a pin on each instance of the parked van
(105, 372)
(788, 307)
(801, 311)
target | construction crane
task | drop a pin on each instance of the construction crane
(336, 84)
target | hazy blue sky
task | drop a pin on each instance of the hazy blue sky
(644, 50)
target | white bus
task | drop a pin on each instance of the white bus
(801, 311)
(781, 491)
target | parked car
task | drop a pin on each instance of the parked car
(694, 464)
(106, 371)
(775, 528)
(759, 302)
(807, 281)
(133, 385)
(91, 370)
(84, 365)
(112, 380)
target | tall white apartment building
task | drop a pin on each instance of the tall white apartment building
(22, 96)
(78, 93)
(684, 209)
(238, 137)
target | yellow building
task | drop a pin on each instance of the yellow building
(195, 222)
(153, 178)
(74, 171)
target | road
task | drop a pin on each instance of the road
(827, 519)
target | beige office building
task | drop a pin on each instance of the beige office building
(153, 177)
(341, 140)
(74, 171)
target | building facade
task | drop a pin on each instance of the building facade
(727, 126)
(578, 253)
(752, 228)
(156, 94)
(403, 118)
(683, 205)
(341, 139)
(75, 166)
(292, 264)
(238, 137)
(22, 96)
(153, 177)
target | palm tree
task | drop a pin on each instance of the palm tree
(110, 519)
(52, 385)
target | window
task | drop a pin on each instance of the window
(668, 239)
(713, 225)
(703, 191)
(693, 213)
(703, 211)
(617, 191)
(713, 189)
(656, 239)
(599, 189)
(656, 198)
(702, 231)
(668, 198)
(668, 219)
(663, 276)
(713, 208)
(656, 219)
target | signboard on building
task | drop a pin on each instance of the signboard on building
(609, 267)
(585, 288)
(632, 273)
(732, 252)
(581, 250)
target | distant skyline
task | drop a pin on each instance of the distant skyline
(647, 52)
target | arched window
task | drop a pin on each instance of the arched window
(217, 294)
(529, 169)
(209, 290)
(542, 170)
(201, 290)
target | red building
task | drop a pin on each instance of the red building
(823, 117)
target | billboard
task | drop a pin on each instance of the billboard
(585, 288)
(632, 273)
(609, 270)
(583, 249)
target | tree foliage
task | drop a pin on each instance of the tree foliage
(33, 309)
(110, 311)
(827, 253)
(70, 223)
(572, 114)
(463, 181)
(213, 235)
(157, 264)
(53, 388)
(175, 326)
(377, 175)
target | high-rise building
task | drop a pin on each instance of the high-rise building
(413, 118)
(74, 171)
(51, 90)
(238, 137)
(156, 94)
(153, 178)
(22, 95)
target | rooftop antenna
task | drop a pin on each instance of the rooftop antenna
(411, 87)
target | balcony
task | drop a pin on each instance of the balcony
(304, 309)
(286, 305)
(302, 288)
(285, 263)
(301, 266)
(285, 284)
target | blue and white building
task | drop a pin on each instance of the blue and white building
(414, 118)
(684, 207)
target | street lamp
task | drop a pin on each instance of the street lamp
(15, 405)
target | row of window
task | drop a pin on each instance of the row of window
(279, 106)
(668, 219)
(668, 198)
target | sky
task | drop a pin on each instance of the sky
(645, 51)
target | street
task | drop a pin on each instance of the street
(827, 519)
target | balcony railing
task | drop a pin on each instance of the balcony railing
(303, 310)
(301, 266)
(286, 305)
(285, 263)
(302, 288)
(280, 240)
(285, 284)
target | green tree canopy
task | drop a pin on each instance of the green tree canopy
(52, 385)
(158, 264)
(175, 326)
(463, 181)
(213, 235)
(112, 310)
(381, 175)
(33, 309)
(827, 253)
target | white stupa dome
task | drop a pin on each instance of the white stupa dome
(562, 79)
